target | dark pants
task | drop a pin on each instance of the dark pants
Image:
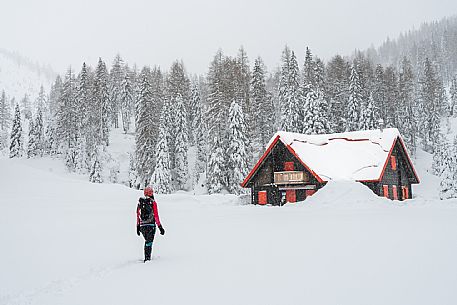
(148, 232)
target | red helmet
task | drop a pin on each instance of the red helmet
(148, 191)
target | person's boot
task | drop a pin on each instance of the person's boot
(147, 252)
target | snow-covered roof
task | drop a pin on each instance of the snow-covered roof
(358, 155)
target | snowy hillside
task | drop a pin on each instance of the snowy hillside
(20, 76)
(67, 241)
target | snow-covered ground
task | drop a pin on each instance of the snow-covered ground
(66, 241)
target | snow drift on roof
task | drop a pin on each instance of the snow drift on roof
(358, 155)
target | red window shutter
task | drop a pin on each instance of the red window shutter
(291, 196)
(394, 191)
(289, 166)
(393, 162)
(262, 196)
(385, 190)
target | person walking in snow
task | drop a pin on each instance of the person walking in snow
(147, 219)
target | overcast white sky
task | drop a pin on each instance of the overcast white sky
(61, 32)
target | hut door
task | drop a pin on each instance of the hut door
(263, 199)
(291, 196)
(288, 166)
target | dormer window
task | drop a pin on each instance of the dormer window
(393, 162)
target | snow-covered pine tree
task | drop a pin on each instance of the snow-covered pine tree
(440, 151)
(379, 93)
(31, 144)
(407, 112)
(308, 73)
(290, 95)
(67, 114)
(116, 78)
(198, 132)
(54, 96)
(35, 146)
(5, 112)
(238, 167)
(354, 102)
(216, 179)
(217, 105)
(87, 115)
(16, 140)
(316, 115)
(5, 119)
(243, 90)
(133, 177)
(177, 83)
(453, 95)
(126, 101)
(448, 174)
(392, 97)
(50, 140)
(337, 91)
(262, 104)
(145, 137)
(429, 97)
(161, 179)
(181, 144)
(367, 115)
(41, 101)
(101, 103)
(95, 175)
(283, 96)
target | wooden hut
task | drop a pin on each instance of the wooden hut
(295, 166)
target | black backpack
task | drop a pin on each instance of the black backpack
(146, 211)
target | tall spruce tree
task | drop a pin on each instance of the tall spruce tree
(5, 119)
(198, 132)
(429, 96)
(181, 144)
(5, 112)
(453, 96)
(337, 91)
(237, 151)
(115, 88)
(262, 104)
(161, 179)
(16, 140)
(126, 100)
(368, 115)
(67, 114)
(316, 115)
(101, 103)
(215, 176)
(145, 137)
(407, 106)
(355, 101)
(35, 145)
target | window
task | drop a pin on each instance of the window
(289, 166)
(405, 192)
(393, 162)
(310, 193)
(394, 191)
(385, 190)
